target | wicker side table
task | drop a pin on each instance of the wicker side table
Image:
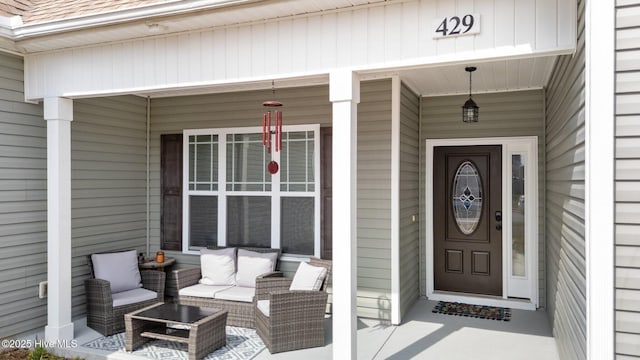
(205, 334)
(150, 263)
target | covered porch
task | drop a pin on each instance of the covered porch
(110, 173)
(423, 335)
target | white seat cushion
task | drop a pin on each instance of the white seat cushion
(308, 277)
(133, 296)
(263, 306)
(218, 267)
(236, 293)
(120, 269)
(201, 290)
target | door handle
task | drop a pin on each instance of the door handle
(498, 216)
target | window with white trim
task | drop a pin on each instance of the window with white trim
(231, 199)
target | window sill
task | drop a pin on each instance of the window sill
(283, 257)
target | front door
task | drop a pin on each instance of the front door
(467, 203)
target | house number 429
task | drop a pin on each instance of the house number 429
(457, 26)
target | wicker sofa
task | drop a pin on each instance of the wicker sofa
(241, 309)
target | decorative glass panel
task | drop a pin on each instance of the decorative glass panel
(297, 161)
(518, 259)
(203, 162)
(247, 162)
(249, 221)
(467, 197)
(297, 225)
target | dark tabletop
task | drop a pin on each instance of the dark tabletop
(177, 313)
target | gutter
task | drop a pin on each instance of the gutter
(7, 37)
(21, 31)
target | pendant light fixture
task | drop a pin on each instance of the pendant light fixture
(470, 110)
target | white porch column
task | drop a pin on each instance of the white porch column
(58, 112)
(344, 93)
(600, 177)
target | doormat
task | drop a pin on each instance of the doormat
(476, 311)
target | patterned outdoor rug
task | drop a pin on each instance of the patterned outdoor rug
(477, 311)
(242, 344)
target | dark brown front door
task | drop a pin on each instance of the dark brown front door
(467, 204)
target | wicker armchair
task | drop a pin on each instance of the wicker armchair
(108, 319)
(296, 318)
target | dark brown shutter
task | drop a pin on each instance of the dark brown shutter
(326, 165)
(171, 192)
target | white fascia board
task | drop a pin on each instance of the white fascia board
(6, 26)
(10, 22)
(120, 16)
(7, 43)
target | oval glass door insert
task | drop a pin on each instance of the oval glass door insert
(467, 197)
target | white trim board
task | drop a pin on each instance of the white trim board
(395, 200)
(600, 178)
(520, 287)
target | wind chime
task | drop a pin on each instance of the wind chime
(267, 129)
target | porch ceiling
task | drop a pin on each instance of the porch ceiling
(491, 76)
(435, 80)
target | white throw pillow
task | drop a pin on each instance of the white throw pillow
(251, 267)
(120, 269)
(218, 266)
(308, 277)
(272, 256)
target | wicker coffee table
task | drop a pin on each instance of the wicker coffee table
(205, 333)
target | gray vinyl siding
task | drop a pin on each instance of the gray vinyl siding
(23, 204)
(374, 200)
(108, 182)
(505, 114)
(308, 105)
(627, 194)
(409, 198)
(565, 163)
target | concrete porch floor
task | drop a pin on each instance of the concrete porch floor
(422, 335)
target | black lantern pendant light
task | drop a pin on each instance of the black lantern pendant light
(470, 110)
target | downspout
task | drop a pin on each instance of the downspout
(148, 188)
(421, 184)
(543, 190)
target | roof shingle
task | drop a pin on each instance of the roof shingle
(39, 11)
(14, 7)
